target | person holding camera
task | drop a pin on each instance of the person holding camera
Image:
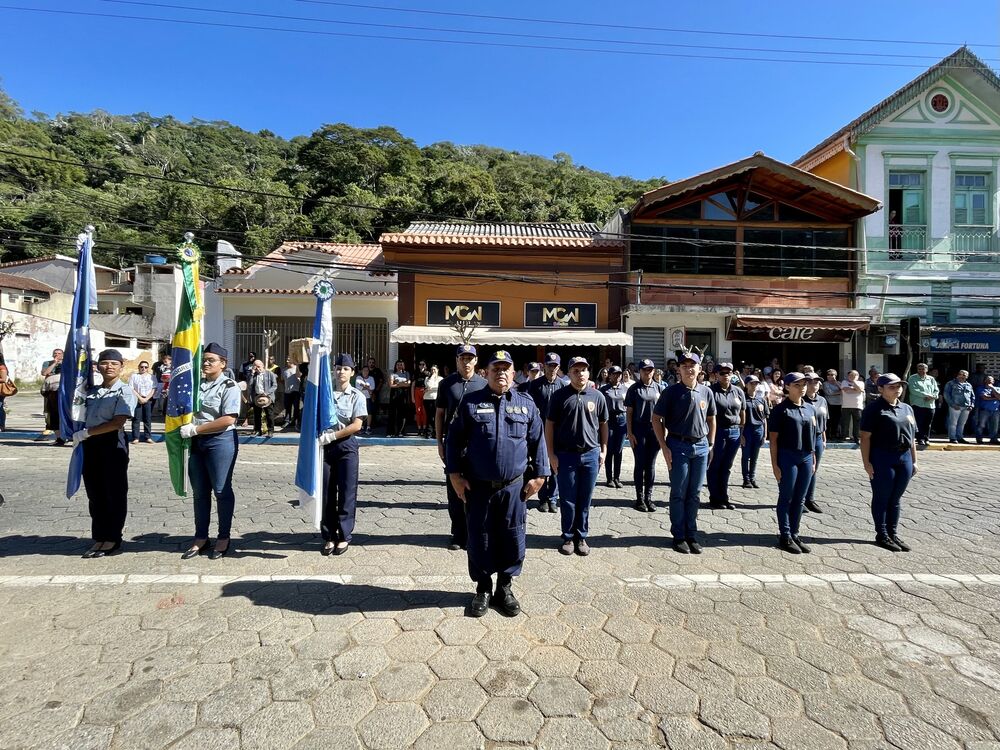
(262, 385)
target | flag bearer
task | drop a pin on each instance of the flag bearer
(214, 446)
(105, 454)
(496, 459)
(340, 459)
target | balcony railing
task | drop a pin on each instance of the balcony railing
(974, 244)
(907, 242)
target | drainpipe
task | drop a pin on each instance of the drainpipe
(638, 289)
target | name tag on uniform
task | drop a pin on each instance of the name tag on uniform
(484, 408)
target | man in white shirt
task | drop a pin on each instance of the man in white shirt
(852, 393)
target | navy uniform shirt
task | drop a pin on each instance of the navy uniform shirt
(452, 390)
(576, 418)
(541, 390)
(615, 396)
(822, 409)
(685, 411)
(641, 399)
(795, 425)
(219, 398)
(496, 438)
(729, 406)
(891, 427)
(758, 408)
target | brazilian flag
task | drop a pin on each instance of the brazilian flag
(185, 377)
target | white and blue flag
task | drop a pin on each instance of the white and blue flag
(318, 412)
(77, 366)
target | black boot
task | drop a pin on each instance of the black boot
(504, 600)
(640, 498)
(481, 602)
(647, 500)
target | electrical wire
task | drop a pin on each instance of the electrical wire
(460, 42)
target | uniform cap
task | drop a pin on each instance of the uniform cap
(888, 379)
(813, 376)
(344, 360)
(872, 369)
(216, 349)
(723, 366)
(578, 361)
(646, 364)
(465, 349)
(501, 355)
(552, 359)
(751, 379)
(614, 370)
(110, 355)
(688, 357)
(534, 367)
(793, 377)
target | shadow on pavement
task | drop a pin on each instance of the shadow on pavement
(313, 597)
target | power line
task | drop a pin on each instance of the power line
(545, 37)
(462, 42)
(603, 25)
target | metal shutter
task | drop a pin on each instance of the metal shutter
(651, 343)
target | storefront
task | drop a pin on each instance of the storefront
(954, 348)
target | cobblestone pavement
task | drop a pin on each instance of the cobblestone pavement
(278, 647)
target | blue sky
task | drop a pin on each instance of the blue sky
(636, 115)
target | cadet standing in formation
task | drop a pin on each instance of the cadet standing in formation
(889, 453)
(214, 447)
(450, 393)
(495, 460)
(614, 392)
(792, 432)
(730, 416)
(757, 413)
(640, 399)
(576, 434)
(541, 390)
(340, 459)
(105, 454)
(684, 423)
(822, 408)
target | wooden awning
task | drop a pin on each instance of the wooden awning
(794, 329)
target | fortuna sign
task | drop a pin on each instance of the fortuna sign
(448, 312)
(560, 315)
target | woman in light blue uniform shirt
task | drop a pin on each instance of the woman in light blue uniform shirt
(340, 460)
(214, 447)
(105, 454)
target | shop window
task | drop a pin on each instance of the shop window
(795, 252)
(695, 250)
(906, 218)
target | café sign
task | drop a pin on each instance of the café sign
(786, 333)
(449, 312)
(560, 315)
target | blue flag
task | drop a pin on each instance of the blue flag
(318, 414)
(76, 375)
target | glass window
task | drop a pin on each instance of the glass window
(971, 200)
(698, 250)
(690, 211)
(906, 179)
(765, 213)
(718, 208)
(762, 252)
(791, 213)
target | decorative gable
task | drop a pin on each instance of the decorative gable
(942, 105)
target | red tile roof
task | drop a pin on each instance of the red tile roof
(359, 255)
(23, 283)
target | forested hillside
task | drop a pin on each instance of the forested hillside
(340, 183)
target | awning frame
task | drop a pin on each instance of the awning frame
(512, 336)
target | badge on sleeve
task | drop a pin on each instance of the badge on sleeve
(910, 419)
(703, 404)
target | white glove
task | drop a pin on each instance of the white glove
(79, 436)
(188, 430)
(327, 437)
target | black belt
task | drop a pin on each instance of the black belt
(687, 438)
(498, 485)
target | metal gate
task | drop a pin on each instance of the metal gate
(360, 337)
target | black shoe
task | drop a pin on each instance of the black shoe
(950, 440)
(682, 547)
(480, 604)
(963, 441)
(618, 484)
(813, 507)
(886, 543)
(903, 546)
(785, 543)
(216, 553)
(979, 441)
(801, 545)
(746, 484)
(640, 504)
(113, 550)
(650, 508)
(694, 547)
(505, 602)
(753, 483)
(327, 551)
(454, 545)
(610, 483)
(338, 550)
(91, 553)
(195, 551)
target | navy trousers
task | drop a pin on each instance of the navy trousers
(820, 448)
(727, 443)
(340, 490)
(796, 472)
(689, 462)
(496, 528)
(644, 454)
(754, 439)
(210, 469)
(893, 471)
(577, 477)
(105, 477)
(616, 447)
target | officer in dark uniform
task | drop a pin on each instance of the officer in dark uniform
(614, 392)
(496, 459)
(576, 433)
(541, 390)
(889, 453)
(451, 390)
(758, 410)
(340, 459)
(640, 399)
(214, 447)
(105, 454)
(815, 397)
(792, 432)
(684, 424)
(730, 416)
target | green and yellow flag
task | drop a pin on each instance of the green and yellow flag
(185, 377)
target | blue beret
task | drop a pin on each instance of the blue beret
(110, 355)
(216, 349)
(344, 360)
